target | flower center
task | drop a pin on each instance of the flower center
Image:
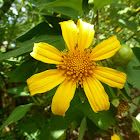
(77, 65)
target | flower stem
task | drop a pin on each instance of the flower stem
(112, 92)
(122, 94)
(35, 100)
(114, 130)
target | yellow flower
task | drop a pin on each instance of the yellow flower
(107, 21)
(76, 67)
(138, 9)
(118, 29)
(59, 15)
(115, 137)
(106, 17)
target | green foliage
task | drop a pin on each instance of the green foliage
(25, 22)
(132, 71)
(83, 126)
(75, 4)
(99, 3)
(102, 119)
(136, 123)
(17, 114)
(27, 46)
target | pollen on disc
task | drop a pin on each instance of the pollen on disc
(77, 65)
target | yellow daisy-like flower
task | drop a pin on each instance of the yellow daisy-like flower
(115, 137)
(76, 67)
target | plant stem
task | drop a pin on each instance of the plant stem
(114, 130)
(112, 92)
(35, 100)
(122, 94)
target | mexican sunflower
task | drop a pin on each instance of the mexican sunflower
(78, 66)
(115, 137)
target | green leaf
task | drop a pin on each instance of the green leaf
(24, 71)
(57, 134)
(27, 46)
(18, 113)
(85, 6)
(74, 125)
(102, 119)
(83, 127)
(70, 8)
(40, 33)
(137, 124)
(41, 29)
(62, 123)
(136, 51)
(36, 126)
(77, 111)
(100, 3)
(64, 11)
(75, 4)
(133, 75)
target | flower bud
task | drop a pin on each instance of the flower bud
(123, 56)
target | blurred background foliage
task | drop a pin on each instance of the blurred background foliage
(24, 22)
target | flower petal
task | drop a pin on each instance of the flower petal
(110, 76)
(96, 94)
(86, 34)
(46, 53)
(115, 137)
(105, 49)
(69, 32)
(45, 81)
(62, 97)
